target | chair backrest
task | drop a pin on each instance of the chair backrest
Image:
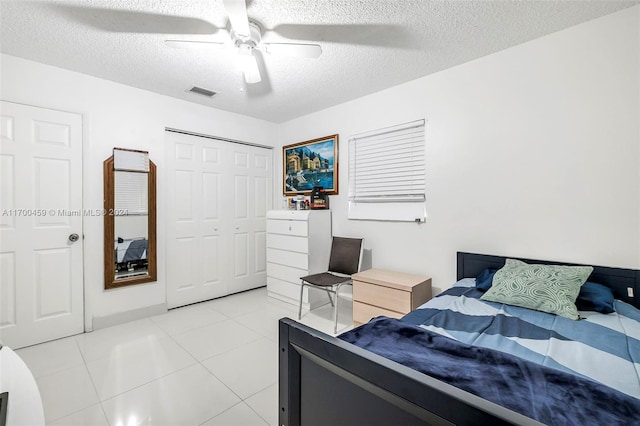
(346, 254)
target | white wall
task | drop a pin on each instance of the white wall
(532, 152)
(115, 115)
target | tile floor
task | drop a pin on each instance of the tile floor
(213, 363)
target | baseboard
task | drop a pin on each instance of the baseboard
(127, 316)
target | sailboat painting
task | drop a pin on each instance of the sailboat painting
(310, 164)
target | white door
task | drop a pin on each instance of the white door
(251, 171)
(41, 283)
(195, 241)
(218, 194)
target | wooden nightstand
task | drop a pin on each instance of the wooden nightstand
(393, 294)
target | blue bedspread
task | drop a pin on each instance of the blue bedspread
(546, 394)
(603, 348)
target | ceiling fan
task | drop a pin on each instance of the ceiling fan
(246, 38)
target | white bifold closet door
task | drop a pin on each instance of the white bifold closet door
(218, 194)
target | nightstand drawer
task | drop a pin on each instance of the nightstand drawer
(362, 313)
(376, 295)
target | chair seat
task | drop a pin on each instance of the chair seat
(325, 279)
(344, 261)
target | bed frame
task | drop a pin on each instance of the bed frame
(326, 381)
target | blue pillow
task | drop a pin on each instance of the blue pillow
(595, 297)
(485, 279)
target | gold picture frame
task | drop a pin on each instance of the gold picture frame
(311, 163)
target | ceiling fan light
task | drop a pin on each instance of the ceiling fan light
(248, 65)
(252, 76)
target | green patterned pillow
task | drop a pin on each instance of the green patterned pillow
(547, 288)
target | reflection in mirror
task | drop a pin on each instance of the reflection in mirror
(129, 219)
(131, 246)
(131, 224)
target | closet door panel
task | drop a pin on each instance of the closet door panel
(218, 195)
(212, 224)
(185, 277)
(241, 259)
(260, 185)
(212, 269)
(241, 187)
(252, 183)
(260, 254)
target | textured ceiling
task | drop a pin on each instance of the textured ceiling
(368, 45)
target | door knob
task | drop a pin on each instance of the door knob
(74, 237)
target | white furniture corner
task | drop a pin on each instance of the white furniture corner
(298, 244)
(24, 405)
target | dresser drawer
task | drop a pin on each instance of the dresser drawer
(376, 295)
(288, 227)
(284, 288)
(288, 242)
(288, 258)
(298, 244)
(285, 273)
(362, 312)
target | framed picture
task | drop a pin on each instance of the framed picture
(311, 163)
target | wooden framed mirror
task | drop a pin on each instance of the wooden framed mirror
(129, 219)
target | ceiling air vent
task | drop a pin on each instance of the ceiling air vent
(201, 91)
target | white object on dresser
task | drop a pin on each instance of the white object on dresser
(298, 244)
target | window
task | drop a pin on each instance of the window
(387, 173)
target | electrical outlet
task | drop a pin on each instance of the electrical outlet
(630, 291)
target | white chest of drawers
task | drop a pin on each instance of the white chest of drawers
(298, 244)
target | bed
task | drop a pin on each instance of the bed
(131, 257)
(335, 380)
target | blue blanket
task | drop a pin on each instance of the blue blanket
(546, 394)
(603, 348)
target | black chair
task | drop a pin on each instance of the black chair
(344, 261)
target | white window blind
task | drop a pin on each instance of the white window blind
(131, 193)
(127, 159)
(387, 173)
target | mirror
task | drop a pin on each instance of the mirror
(129, 218)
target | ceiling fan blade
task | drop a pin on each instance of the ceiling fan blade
(294, 50)
(389, 35)
(129, 21)
(237, 11)
(192, 44)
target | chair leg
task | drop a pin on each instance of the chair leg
(330, 298)
(335, 312)
(300, 306)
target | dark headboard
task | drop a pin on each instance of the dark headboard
(625, 283)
